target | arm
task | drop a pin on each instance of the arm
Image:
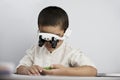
(73, 71)
(26, 66)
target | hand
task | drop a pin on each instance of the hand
(32, 70)
(71, 71)
(57, 69)
(57, 66)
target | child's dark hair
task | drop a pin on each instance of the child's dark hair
(52, 16)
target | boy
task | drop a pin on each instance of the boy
(62, 59)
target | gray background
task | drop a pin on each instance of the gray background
(95, 28)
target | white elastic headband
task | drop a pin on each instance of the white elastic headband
(67, 32)
(49, 35)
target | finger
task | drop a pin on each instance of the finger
(31, 70)
(54, 72)
(39, 68)
(29, 73)
(35, 70)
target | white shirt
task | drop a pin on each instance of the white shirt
(64, 55)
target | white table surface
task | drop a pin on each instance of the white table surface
(26, 77)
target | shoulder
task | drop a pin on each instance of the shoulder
(71, 50)
(77, 57)
(34, 49)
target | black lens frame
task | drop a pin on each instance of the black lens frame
(53, 42)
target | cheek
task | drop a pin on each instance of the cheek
(59, 42)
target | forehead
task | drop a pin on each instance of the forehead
(51, 29)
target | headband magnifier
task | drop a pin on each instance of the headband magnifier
(52, 38)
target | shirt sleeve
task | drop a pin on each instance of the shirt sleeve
(27, 60)
(79, 59)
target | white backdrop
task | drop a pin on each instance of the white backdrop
(95, 28)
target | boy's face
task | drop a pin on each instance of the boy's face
(54, 30)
